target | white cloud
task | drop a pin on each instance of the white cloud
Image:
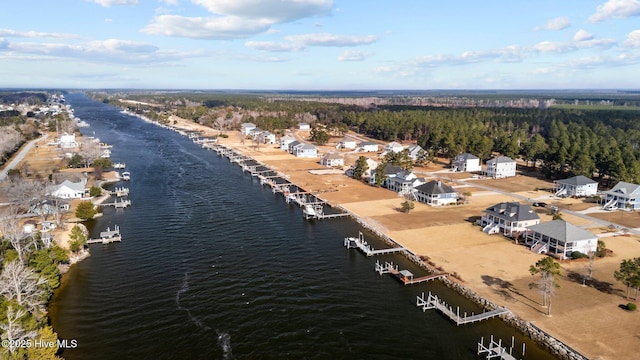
(171, 2)
(325, 39)
(565, 47)
(35, 34)
(354, 55)
(108, 3)
(275, 11)
(582, 35)
(620, 9)
(273, 46)
(231, 19)
(633, 39)
(558, 23)
(228, 27)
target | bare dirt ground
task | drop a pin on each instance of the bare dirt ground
(630, 219)
(588, 318)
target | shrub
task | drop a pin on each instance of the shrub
(85, 210)
(631, 307)
(578, 255)
(95, 191)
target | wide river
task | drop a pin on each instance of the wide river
(215, 266)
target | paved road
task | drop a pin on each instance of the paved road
(19, 156)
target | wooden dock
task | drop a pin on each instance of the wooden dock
(121, 191)
(433, 302)
(108, 236)
(118, 204)
(495, 350)
(405, 276)
(360, 244)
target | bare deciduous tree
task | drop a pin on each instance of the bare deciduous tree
(22, 284)
(12, 231)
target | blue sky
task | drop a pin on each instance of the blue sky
(321, 44)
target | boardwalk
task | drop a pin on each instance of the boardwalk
(433, 302)
(360, 244)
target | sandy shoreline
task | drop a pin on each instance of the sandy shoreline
(493, 270)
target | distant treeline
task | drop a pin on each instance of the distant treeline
(564, 142)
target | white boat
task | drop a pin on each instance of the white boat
(126, 176)
(119, 165)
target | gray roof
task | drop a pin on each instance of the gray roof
(392, 169)
(435, 187)
(577, 181)
(332, 156)
(367, 143)
(466, 156)
(512, 211)
(625, 188)
(562, 231)
(500, 160)
(346, 139)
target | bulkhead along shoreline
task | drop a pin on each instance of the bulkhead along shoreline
(236, 151)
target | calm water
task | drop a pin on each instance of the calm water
(215, 266)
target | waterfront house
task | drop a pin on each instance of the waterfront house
(285, 141)
(267, 137)
(466, 163)
(414, 151)
(435, 193)
(255, 133)
(367, 146)
(393, 146)
(346, 143)
(508, 218)
(500, 167)
(371, 164)
(560, 239)
(332, 160)
(304, 126)
(403, 182)
(305, 151)
(292, 145)
(388, 171)
(68, 141)
(575, 186)
(623, 196)
(246, 128)
(69, 190)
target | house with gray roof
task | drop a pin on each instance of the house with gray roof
(500, 167)
(436, 193)
(305, 150)
(69, 190)
(246, 128)
(415, 151)
(285, 141)
(388, 171)
(332, 159)
(466, 163)
(560, 239)
(577, 186)
(347, 143)
(403, 182)
(367, 146)
(623, 196)
(508, 218)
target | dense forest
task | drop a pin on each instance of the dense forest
(602, 143)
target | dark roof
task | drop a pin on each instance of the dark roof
(577, 181)
(392, 169)
(466, 156)
(435, 187)
(513, 211)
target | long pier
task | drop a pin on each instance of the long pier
(360, 244)
(118, 204)
(433, 302)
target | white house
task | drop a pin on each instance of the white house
(403, 182)
(500, 167)
(560, 239)
(466, 163)
(575, 186)
(371, 164)
(414, 151)
(388, 171)
(285, 141)
(69, 190)
(367, 146)
(332, 159)
(392, 147)
(292, 146)
(508, 218)
(246, 128)
(267, 137)
(435, 193)
(68, 141)
(623, 196)
(346, 143)
(255, 133)
(304, 126)
(305, 151)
